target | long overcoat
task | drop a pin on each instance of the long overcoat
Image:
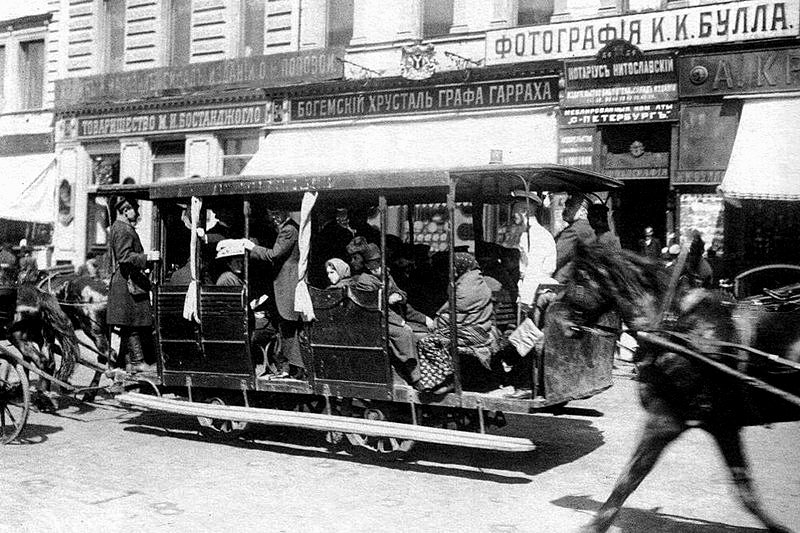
(567, 241)
(123, 308)
(284, 256)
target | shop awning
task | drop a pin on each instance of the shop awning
(28, 188)
(524, 138)
(765, 161)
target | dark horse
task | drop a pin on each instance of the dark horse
(41, 329)
(678, 392)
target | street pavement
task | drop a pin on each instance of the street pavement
(103, 468)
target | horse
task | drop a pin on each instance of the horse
(677, 392)
(83, 296)
(40, 330)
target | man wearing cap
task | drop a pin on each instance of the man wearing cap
(129, 291)
(401, 336)
(650, 246)
(578, 230)
(537, 260)
(284, 256)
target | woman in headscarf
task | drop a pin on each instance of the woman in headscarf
(338, 273)
(476, 335)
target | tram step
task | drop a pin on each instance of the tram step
(323, 422)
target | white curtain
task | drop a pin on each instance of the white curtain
(302, 299)
(190, 311)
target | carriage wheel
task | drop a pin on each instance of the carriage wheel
(217, 428)
(15, 400)
(389, 448)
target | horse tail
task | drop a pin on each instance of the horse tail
(54, 318)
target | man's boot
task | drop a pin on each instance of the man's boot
(135, 353)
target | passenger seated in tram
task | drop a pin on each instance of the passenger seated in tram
(401, 335)
(338, 273)
(232, 252)
(355, 254)
(477, 337)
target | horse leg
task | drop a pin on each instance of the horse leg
(659, 430)
(730, 444)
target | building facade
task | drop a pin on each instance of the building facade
(226, 87)
(27, 77)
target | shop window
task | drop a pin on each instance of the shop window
(340, 22)
(532, 12)
(31, 73)
(169, 160)
(237, 152)
(180, 32)
(437, 18)
(638, 6)
(252, 27)
(105, 169)
(115, 35)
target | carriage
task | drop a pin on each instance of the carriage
(206, 366)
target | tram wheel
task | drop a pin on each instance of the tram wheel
(218, 428)
(388, 448)
(15, 400)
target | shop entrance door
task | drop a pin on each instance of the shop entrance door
(639, 204)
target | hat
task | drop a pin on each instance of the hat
(674, 249)
(522, 195)
(371, 254)
(230, 248)
(212, 221)
(118, 202)
(575, 199)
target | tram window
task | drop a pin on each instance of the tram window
(168, 160)
(237, 152)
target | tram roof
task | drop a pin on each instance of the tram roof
(489, 181)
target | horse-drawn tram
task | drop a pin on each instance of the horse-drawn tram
(216, 363)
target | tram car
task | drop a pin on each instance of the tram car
(352, 387)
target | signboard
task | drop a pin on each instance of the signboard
(576, 147)
(428, 99)
(629, 81)
(618, 114)
(740, 73)
(259, 71)
(199, 119)
(658, 30)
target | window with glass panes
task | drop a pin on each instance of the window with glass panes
(237, 152)
(340, 22)
(437, 17)
(169, 159)
(534, 12)
(252, 27)
(31, 73)
(180, 34)
(115, 35)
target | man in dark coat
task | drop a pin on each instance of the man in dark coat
(129, 303)
(579, 230)
(284, 256)
(650, 246)
(598, 219)
(8, 265)
(401, 336)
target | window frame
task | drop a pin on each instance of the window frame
(246, 156)
(168, 33)
(329, 10)
(30, 100)
(423, 20)
(107, 29)
(243, 32)
(156, 159)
